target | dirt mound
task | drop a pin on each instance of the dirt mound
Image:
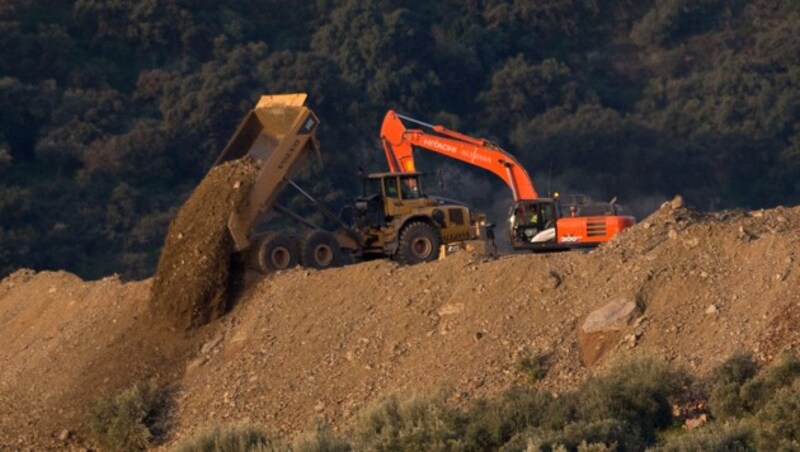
(302, 343)
(66, 343)
(191, 282)
(306, 344)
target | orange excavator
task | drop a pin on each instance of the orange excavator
(538, 224)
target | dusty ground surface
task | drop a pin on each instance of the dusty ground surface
(190, 284)
(67, 342)
(302, 344)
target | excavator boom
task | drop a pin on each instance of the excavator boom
(398, 143)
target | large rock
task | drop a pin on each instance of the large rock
(602, 329)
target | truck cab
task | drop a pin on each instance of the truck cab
(398, 219)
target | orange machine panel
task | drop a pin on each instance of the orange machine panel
(590, 230)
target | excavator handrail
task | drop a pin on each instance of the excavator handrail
(399, 143)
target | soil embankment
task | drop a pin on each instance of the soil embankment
(303, 343)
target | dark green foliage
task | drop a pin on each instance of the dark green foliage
(409, 424)
(130, 420)
(737, 391)
(639, 100)
(637, 393)
(714, 437)
(778, 421)
(232, 438)
(493, 423)
(726, 383)
(781, 373)
(319, 439)
(670, 20)
(611, 433)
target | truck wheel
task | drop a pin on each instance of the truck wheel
(319, 249)
(419, 242)
(275, 251)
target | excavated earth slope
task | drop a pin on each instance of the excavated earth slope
(306, 344)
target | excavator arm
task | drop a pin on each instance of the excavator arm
(399, 143)
(542, 226)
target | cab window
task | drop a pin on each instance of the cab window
(410, 187)
(390, 187)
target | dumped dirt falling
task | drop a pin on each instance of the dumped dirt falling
(190, 284)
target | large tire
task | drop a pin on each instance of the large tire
(275, 251)
(419, 242)
(319, 249)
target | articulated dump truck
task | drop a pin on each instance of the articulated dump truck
(392, 217)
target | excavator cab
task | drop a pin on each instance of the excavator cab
(534, 221)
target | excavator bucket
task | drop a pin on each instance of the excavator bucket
(278, 132)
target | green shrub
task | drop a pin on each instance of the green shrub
(737, 390)
(596, 447)
(319, 439)
(756, 392)
(492, 423)
(128, 421)
(532, 364)
(607, 433)
(726, 383)
(636, 392)
(409, 424)
(713, 437)
(779, 420)
(232, 438)
(563, 411)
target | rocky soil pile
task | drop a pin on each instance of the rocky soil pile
(191, 283)
(67, 342)
(302, 344)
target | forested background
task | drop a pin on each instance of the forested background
(112, 110)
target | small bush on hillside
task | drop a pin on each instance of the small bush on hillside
(598, 435)
(532, 364)
(636, 392)
(726, 383)
(491, 423)
(128, 420)
(738, 390)
(232, 438)
(713, 437)
(779, 420)
(756, 392)
(596, 447)
(562, 411)
(410, 424)
(319, 439)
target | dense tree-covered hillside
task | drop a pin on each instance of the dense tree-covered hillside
(111, 111)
